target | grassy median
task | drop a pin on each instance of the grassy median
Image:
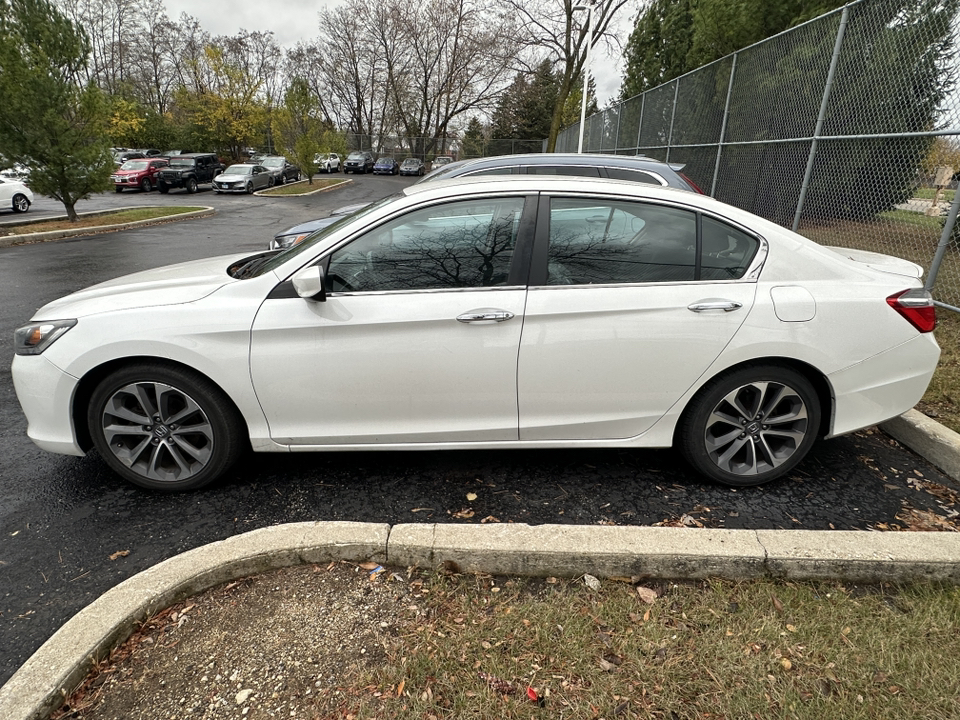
(98, 220)
(302, 187)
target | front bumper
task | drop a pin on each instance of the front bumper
(46, 394)
(230, 187)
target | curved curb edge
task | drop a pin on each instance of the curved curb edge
(936, 443)
(51, 673)
(266, 193)
(11, 240)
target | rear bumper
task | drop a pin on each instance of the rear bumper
(883, 386)
(46, 393)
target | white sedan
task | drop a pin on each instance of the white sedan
(498, 312)
(15, 195)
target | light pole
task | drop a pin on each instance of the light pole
(586, 71)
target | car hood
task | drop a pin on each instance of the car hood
(230, 177)
(170, 285)
(878, 261)
(129, 172)
(309, 227)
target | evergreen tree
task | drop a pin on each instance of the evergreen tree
(51, 121)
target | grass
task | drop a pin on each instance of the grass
(302, 187)
(98, 220)
(757, 649)
(946, 196)
(942, 399)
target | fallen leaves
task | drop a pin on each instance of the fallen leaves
(119, 554)
(648, 595)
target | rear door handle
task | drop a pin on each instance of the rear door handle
(715, 304)
(486, 315)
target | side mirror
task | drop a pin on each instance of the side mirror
(309, 284)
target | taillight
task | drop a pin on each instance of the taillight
(692, 183)
(917, 307)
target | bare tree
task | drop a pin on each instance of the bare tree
(551, 25)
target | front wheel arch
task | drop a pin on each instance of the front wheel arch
(89, 382)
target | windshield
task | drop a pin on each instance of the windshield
(181, 162)
(134, 165)
(385, 160)
(272, 162)
(355, 156)
(410, 161)
(238, 170)
(276, 261)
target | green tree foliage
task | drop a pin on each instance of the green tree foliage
(673, 37)
(50, 120)
(525, 109)
(299, 128)
(474, 140)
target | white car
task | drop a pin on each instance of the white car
(327, 162)
(15, 195)
(495, 312)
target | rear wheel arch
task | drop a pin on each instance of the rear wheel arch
(814, 376)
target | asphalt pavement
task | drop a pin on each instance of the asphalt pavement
(71, 530)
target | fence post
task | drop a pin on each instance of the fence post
(723, 127)
(834, 61)
(673, 116)
(643, 103)
(944, 240)
(616, 135)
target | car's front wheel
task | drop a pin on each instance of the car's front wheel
(164, 428)
(191, 186)
(750, 426)
(146, 185)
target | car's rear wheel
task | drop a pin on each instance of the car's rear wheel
(750, 426)
(164, 428)
(20, 203)
(146, 185)
(191, 185)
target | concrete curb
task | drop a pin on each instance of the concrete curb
(266, 193)
(936, 443)
(47, 677)
(10, 240)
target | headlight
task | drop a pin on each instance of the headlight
(286, 241)
(33, 339)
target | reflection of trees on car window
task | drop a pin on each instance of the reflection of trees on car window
(457, 246)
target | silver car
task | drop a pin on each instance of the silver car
(242, 178)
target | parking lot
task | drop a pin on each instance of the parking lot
(71, 529)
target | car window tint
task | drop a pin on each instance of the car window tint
(563, 170)
(604, 242)
(616, 173)
(455, 245)
(726, 253)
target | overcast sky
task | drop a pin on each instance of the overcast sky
(294, 20)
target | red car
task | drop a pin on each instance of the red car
(140, 173)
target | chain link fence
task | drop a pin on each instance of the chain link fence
(845, 129)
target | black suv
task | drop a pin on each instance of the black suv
(359, 161)
(188, 171)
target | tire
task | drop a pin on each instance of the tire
(131, 419)
(751, 425)
(20, 203)
(249, 188)
(163, 188)
(118, 189)
(146, 185)
(191, 185)
(282, 179)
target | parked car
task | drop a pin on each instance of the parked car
(188, 171)
(636, 168)
(386, 165)
(281, 170)
(15, 195)
(151, 152)
(140, 174)
(440, 161)
(504, 312)
(298, 233)
(121, 157)
(412, 166)
(359, 161)
(327, 162)
(242, 178)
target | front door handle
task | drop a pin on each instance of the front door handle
(715, 304)
(486, 315)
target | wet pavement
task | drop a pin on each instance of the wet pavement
(70, 529)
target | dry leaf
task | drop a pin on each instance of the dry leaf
(605, 665)
(471, 497)
(119, 554)
(400, 687)
(464, 514)
(792, 628)
(591, 582)
(777, 604)
(786, 664)
(646, 594)
(369, 565)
